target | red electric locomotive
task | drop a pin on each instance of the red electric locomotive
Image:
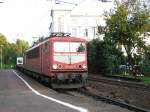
(60, 60)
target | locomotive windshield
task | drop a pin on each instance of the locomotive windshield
(69, 47)
(19, 60)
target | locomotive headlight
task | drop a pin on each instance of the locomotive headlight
(84, 66)
(54, 66)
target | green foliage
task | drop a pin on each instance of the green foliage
(126, 28)
(146, 79)
(21, 46)
(147, 52)
(103, 57)
(8, 66)
(146, 67)
(146, 62)
(12, 50)
(11, 54)
(3, 40)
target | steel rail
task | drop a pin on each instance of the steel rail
(120, 83)
(111, 101)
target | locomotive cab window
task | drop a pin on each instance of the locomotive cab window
(20, 61)
(81, 48)
(69, 47)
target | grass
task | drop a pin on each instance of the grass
(146, 79)
(127, 75)
(8, 66)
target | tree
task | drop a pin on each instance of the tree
(4, 45)
(10, 54)
(103, 57)
(21, 46)
(3, 40)
(146, 61)
(12, 50)
(126, 27)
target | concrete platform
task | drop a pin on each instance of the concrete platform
(16, 96)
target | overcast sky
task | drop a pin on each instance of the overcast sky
(24, 18)
(28, 18)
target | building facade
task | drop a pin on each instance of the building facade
(81, 21)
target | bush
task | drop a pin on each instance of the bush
(103, 57)
(8, 66)
(146, 67)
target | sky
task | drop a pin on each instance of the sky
(24, 19)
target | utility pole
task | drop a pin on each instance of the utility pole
(1, 56)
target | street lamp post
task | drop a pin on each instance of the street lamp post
(1, 57)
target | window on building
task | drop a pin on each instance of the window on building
(94, 31)
(74, 32)
(85, 21)
(86, 32)
(74, 21)
(60, 24)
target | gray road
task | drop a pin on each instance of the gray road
(15, 96)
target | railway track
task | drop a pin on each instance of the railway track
(87, 93)
(111, 101)
(119, 82)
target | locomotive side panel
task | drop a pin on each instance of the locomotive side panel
(46, 55)
(33, 60)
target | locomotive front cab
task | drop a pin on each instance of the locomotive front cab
(69, 56)
(70, 61)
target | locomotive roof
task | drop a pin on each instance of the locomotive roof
(75, 39)
(67, 39)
